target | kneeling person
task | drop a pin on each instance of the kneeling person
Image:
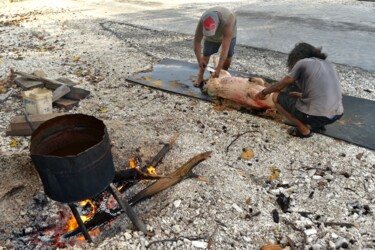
(318, 99)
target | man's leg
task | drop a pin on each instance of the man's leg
(228, 61)
(302, 128)
(199, 79)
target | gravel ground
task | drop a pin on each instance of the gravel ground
(326, 180)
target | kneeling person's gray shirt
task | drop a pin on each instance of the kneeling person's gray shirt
(320, 87)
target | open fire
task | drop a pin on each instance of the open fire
(96, 213)
(101, 200)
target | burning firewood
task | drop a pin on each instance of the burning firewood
(172, 179)
(136, 174)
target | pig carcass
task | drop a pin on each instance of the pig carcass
(240, 90)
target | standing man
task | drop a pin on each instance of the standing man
(317, 100)
(218, 27)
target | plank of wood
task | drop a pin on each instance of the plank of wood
(26, 83)
(19, 127)
(66, 81)
(60, 92)
(66, 103)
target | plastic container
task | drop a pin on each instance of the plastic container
(38, 101)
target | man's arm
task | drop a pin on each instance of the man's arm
(287, 80)
(228, 31)
(197, 42)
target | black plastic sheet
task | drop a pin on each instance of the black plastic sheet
(357, 126)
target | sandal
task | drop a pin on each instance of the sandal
(320, 129)
(296, 133)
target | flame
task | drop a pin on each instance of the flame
(151, 170)
(135, 162)
(73, 224)
(132, 162)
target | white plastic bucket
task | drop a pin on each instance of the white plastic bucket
(38, 101)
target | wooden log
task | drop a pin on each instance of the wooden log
(180, 174)
(19, 126)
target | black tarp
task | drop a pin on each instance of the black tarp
(357, 125)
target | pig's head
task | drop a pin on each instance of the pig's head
(211, 86)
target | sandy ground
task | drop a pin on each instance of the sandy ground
(327, 180)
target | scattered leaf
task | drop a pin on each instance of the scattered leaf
(14, 143)
(43, 50)
(243, 174)
(157, 82)
(248, 201)
(147, 78)
(78, 73)
(359, 156)
(103, 110)
(271, 246)
(275, 173)
(1, 61)
(247, 154)
(76, 58)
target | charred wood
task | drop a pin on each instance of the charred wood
(172, 179)
(133, 175)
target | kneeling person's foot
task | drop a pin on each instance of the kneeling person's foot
(318, 129)
(296, 133)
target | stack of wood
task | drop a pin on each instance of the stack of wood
(65, 96)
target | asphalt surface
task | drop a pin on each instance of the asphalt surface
(346, 33)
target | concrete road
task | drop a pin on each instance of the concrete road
(346, 32)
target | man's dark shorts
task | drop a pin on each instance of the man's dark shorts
(289, 104)
(211, 48)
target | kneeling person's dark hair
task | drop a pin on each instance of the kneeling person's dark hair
(301, 51)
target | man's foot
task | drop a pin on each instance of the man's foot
(296, 133)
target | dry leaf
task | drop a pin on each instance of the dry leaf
(157, 82)
(271, 246)
(359, 156)
(248, 201)
(76, 58)
(14, 143)
(103, 110)
(147, 78)
(275, 173)
(43, 50)
(247, 154)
